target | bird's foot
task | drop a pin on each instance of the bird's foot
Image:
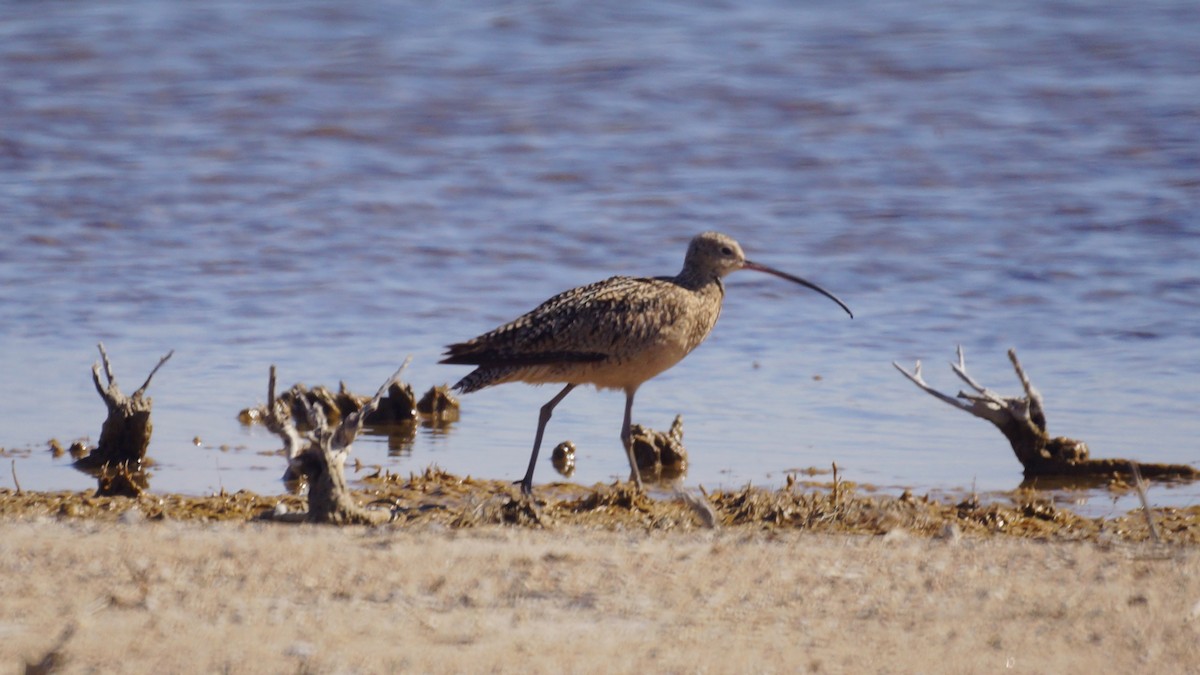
(526, 487)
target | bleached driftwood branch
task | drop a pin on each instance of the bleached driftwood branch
(319, 456)
(1022, 420)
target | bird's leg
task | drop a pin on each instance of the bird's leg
(543, 418)
(627, 440)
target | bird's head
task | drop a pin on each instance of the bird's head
(713, 255)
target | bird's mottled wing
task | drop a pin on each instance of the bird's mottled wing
(583, 324)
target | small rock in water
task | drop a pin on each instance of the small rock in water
(563, 458)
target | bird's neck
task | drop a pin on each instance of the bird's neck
(700, 282)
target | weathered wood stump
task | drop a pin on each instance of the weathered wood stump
(117, 459)
(318, 456)
(660, 455)
(398, 408)
(1022, 420)
(438, 407)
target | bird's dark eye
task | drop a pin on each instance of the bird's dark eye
(725, 250)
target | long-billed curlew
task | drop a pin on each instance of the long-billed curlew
(614, 334)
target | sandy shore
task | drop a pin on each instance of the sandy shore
(141, 596)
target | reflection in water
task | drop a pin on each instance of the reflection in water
(402, 434)
(118, 480)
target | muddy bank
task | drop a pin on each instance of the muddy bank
(436, 497)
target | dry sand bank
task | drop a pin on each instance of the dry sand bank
(171, 596)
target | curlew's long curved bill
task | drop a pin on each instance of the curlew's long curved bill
(747, 265)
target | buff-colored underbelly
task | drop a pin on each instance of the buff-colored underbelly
(613, 373)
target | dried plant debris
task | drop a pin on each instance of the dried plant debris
(1022, 420)
(435, 497)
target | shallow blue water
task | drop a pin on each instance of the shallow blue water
(332, 188)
